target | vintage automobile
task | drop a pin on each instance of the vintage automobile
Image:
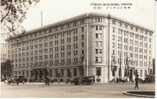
(17, 80)
(87, 80)
(149, 79)
(76, 81)
(21, 79)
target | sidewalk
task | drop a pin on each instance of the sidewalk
(50, 84)
(144, 94)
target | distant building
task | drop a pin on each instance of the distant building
(87, 45)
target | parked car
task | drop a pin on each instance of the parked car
(76, 81)
(88, 80)
(11, 81)
(53, 80)
(121, 80)
(149, 79)
(20, 79)
(140, 80)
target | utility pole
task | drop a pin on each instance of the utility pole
(41, 16)
(127, 67)
(120, 67)
(87, 50)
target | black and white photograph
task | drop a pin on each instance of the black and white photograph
(77, 48)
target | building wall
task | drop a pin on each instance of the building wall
(98, 31)
(3, 52)
(82, 46)
(52, 49)
(133, 42)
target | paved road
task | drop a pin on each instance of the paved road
(66, 91)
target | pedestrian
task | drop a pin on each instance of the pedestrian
(117, 80)
(136, 82)
(17, 82)
(47, 81)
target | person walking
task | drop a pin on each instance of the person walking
(47, 81)
(136, 82)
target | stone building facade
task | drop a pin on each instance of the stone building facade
(91, 44)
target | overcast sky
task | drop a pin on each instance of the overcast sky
(141, 12)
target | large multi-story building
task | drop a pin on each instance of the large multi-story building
(91, 44)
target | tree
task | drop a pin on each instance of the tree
(13, 13)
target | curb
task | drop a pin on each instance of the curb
(137, 95)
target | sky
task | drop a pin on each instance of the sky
(141, 12)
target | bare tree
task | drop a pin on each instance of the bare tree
(13, 13)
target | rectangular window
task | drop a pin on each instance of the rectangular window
(69, 61)
(98, 59)
(113, 37)
(125, 47)
(82, 44)
(99, 43)
(113, 29)
(96, 51)
(96, 35)
(119, 46)
(113, 45)
(82, 29)
(99, 27)
(96, 27)
(120, 39)
(82, 37)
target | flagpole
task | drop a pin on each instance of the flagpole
(87, 48)
(41, 16)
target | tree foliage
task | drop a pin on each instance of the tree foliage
(13, 13)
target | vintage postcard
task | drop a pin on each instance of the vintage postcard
(77, 48)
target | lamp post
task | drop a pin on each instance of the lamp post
(120, 63)
(126, 74)
(113, 67)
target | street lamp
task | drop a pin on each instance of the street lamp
(126, 74)
(113, 67)
(120, 63)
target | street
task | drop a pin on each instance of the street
(70, 91)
